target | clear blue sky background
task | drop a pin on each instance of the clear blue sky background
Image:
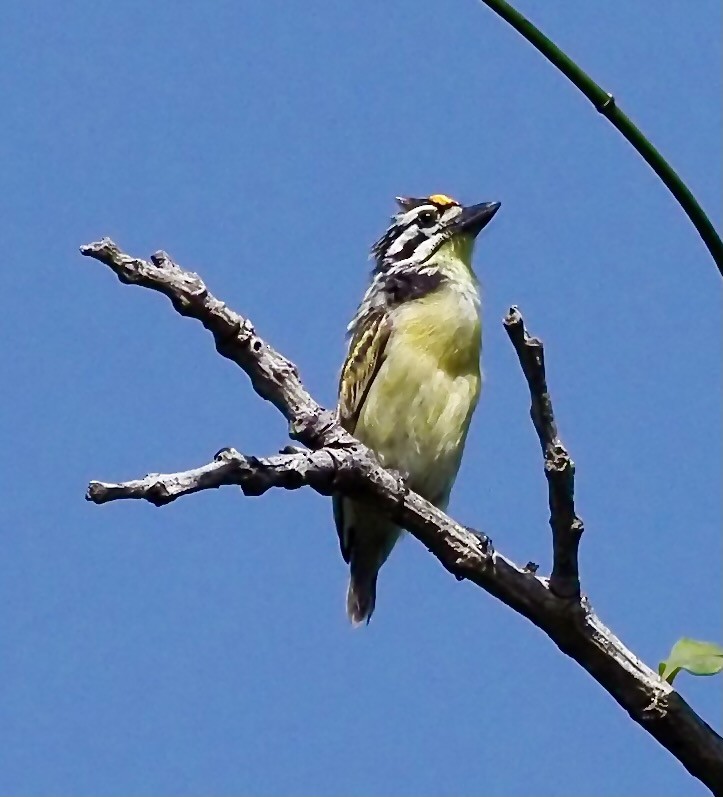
(203, 648)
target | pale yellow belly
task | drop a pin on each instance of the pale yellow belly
(416, 418)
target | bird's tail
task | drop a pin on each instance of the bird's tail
(370, 550)
(362, 592)
(367, 539)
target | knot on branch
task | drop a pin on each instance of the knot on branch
(162, 259)
(605, 105)
(558, 460)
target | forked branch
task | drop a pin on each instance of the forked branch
(338, 463)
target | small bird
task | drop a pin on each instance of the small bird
(411, 378)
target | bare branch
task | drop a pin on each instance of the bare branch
(567, 527)
(324, 470)
(342, 465)
(273, 377)
(351, 470)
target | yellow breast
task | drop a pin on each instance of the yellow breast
(418, 410)
(445, 326)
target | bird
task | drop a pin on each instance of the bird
(411, 378)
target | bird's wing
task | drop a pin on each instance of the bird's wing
(363, 361)
(365, 357)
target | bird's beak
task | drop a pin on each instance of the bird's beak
(476, 217)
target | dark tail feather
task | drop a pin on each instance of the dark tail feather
(361, 595)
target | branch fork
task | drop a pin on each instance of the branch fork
(335, 462)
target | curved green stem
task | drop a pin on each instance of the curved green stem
(605, 104)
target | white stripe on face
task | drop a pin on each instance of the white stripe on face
(409, 240)
(402, 240)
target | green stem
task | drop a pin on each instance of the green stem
(605, 104)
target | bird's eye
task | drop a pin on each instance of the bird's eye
(427, 217)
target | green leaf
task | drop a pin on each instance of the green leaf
(698, 658)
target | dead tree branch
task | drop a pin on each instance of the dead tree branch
(566, 526)
(338, 463)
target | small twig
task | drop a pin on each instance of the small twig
(253, 475)
(567, 528)
(327, 470)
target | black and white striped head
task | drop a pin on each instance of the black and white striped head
(423, 225)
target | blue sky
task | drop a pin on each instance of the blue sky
(203, 648)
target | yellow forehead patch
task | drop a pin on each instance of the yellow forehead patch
(442, 200)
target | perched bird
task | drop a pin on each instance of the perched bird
(411, 378)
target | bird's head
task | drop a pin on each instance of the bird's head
(424, 225)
